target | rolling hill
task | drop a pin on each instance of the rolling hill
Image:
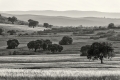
(71, 13)
(67, 21)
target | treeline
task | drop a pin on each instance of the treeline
(45, 45)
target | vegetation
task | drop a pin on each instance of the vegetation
(66, 40)
(33, 23)
(100, 50)
(47, 25)
(12, 19)
(11, 32)
(62, 78)
(1, 31)
(12, 44)
(84, 50)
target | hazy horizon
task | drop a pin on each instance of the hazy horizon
(111, 6)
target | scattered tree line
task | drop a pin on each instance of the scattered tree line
(98, 50)
(44, 45)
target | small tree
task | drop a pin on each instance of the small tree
(33, 23)
(12, 19)
(66, 40)
(46, 25)
(111, 25)
(12, 44)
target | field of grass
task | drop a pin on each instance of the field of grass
(67, 65)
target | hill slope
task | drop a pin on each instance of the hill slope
(73, 13)
(67, 21)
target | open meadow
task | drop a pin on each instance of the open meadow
(67, 65)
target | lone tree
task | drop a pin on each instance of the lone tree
(101, 50)
(12, 44)
(33, 23)
(12, 19)
(111, 25)
(66, 40)
(46, 25)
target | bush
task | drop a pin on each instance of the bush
(66, 40)
(12, 44)
(11, 32)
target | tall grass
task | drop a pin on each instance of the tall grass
(62, 78)
(67, 74)
(57, 73)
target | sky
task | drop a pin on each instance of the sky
(60, 5)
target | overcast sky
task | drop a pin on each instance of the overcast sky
(61, 5)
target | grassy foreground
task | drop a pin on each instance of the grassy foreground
(56, 74)
(62, 78)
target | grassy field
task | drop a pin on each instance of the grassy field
(67, 65)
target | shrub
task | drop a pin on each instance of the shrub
(12, 44)
(66, 40)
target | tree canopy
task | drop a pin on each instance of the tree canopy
(66, 40)
(98, 50)
(33, 23)
(12, 19)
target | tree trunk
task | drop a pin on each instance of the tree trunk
(35, 50)
(101, 60)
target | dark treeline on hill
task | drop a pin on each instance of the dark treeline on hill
(11, 20)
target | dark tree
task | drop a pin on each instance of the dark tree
(12, 44)
(66, 40)
(46, 25)
(1, 31)
(12, 19)
(84, 50)
(100, 50)
(11, 32)
(33, 23)
(111, 25)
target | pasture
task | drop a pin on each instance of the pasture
(67, 65)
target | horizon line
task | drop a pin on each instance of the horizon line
(56, 10)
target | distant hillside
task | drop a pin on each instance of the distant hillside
(67, 21)
(72, 13)
(4, 20)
